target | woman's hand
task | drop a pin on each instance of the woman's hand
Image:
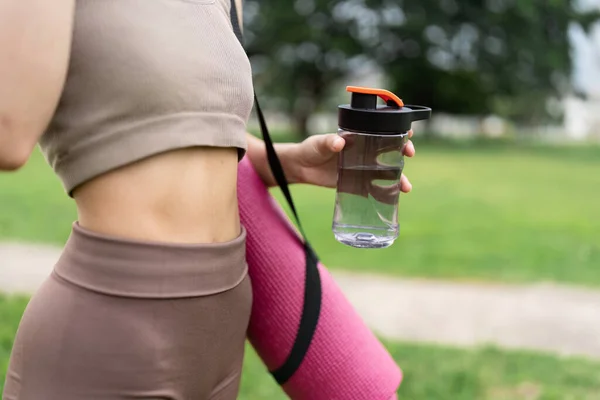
(314, 161)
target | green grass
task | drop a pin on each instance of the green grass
(33, 204)
(500, 212)
(497, 213)
(431, 372)
(482, 211)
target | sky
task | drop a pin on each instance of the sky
(586, 55)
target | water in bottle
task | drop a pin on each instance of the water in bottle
(370, 167)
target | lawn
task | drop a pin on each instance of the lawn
(500, 212)
(431, 373)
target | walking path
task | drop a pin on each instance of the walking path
(552, 318)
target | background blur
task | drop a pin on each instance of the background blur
(491, 68)
(498, 263)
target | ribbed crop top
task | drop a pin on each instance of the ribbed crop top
(145, 77)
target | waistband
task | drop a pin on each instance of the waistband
(144, 269)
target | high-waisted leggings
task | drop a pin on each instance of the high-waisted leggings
(124, 319)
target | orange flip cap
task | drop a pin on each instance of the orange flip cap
(386, 95)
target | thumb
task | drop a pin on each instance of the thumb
(325, 145)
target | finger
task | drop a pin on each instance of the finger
(410, 133)
(349, 138)
(405, 184)
(336, 143)
(409, 149)
(324, 145)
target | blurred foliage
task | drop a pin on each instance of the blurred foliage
(298, 50)
(475, 57)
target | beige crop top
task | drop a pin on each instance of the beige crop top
(145, 77)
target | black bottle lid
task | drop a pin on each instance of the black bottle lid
(364, 115)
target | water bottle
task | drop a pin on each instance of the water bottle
(370, 166)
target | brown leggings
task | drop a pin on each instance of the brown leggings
(123, 319)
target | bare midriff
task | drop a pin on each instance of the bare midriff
(181, 196)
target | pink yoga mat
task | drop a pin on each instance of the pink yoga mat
(345, 360)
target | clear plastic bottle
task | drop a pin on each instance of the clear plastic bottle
(370, 167)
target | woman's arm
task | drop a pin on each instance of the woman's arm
(313, 161)
(257, 155)
(35, 39)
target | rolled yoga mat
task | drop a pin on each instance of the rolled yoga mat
(345, 360)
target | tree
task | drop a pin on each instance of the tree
(476, 57)
(298, 51)
(473, 57)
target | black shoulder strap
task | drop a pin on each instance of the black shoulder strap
(312, 288)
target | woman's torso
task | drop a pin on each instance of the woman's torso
(180, 196)
(152, 119)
